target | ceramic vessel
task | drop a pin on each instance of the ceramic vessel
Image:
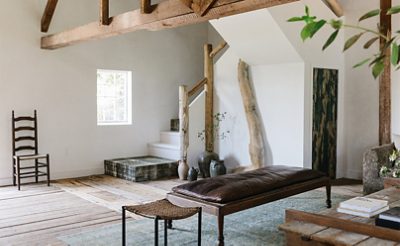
(217, 168)
(204, 162)
(183, 169)
(192, 174)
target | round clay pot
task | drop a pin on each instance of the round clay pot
(217, 168)
(204, 162)
(183, 169)
(192, 174)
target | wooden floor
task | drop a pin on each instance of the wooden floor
(38, 214)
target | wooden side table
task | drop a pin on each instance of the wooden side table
(391, 182)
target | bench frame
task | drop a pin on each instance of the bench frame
(222, 209)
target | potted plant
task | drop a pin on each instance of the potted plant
(391, 175)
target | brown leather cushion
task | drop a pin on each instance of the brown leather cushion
(233, 187)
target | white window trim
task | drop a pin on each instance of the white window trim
(129, 100)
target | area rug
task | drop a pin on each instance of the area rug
(256, 226)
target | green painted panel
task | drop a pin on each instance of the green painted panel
(324, 133)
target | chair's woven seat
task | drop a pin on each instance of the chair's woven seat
(162, 209)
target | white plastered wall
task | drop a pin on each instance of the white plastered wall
(61, 84)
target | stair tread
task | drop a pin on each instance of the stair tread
(165, 145)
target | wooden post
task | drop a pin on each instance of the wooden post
(209, 110)
(104, 12)
(335, 6)
(145, 6)
(183, 167)
(385, 79)
(256, 146)
(48, 15)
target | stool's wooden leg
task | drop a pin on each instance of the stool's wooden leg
(48, 169)
(328, 196)
(169, 224)
(123, 226)
(156, 231)
(165, 233)
(221, 230)
(199, 229)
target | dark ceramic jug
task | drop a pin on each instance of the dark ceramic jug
(204, 162)
(217, 168)
(192, 174)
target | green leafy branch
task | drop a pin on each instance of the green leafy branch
(377, 61)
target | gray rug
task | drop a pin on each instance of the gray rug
(256, 226)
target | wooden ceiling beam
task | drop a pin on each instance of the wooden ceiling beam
(166, 14)
(48, 15)
(335, 6)
(104, 12)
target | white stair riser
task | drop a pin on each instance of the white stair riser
(172, 154)
(170, 138)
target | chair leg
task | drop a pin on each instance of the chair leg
(18, 175)
(165, 233)
(36, 171)
(199, 229)
(169, 224)
(48, 169)
(14, 173)
(156, 231)
(123, 226)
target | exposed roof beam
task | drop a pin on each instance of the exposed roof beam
(104, 12)
(145, 6)
(166, 14)
(200, 7)
(48, 15)
(335, 6)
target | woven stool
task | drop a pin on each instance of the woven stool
(161, 210)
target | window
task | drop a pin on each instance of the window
(114, 97)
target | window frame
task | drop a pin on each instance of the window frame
(128, 96)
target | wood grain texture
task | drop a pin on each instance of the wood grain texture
(324, 132)
(166, 14)
(209, 107)
(198, 87)
(104, 16)
(342, 229)
(385, 79)
(256, 129)
(183, 131)
(145, 6)
(48, 14)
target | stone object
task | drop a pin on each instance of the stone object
(142, 168)
(373, 160)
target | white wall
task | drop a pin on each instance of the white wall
(279, 91)
(313, 56)
(61, 84)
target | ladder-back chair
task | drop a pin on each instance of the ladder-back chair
(25, 148)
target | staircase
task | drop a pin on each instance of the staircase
(168, 147)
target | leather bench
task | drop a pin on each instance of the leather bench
(231, 193)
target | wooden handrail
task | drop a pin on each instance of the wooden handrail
(198, 86)
(215, 51)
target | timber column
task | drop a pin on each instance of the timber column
(209, 113)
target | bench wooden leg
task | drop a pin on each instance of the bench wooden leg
(221, 230)
(199, 229)
(328, 196)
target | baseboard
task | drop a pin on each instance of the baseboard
(62, 175)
